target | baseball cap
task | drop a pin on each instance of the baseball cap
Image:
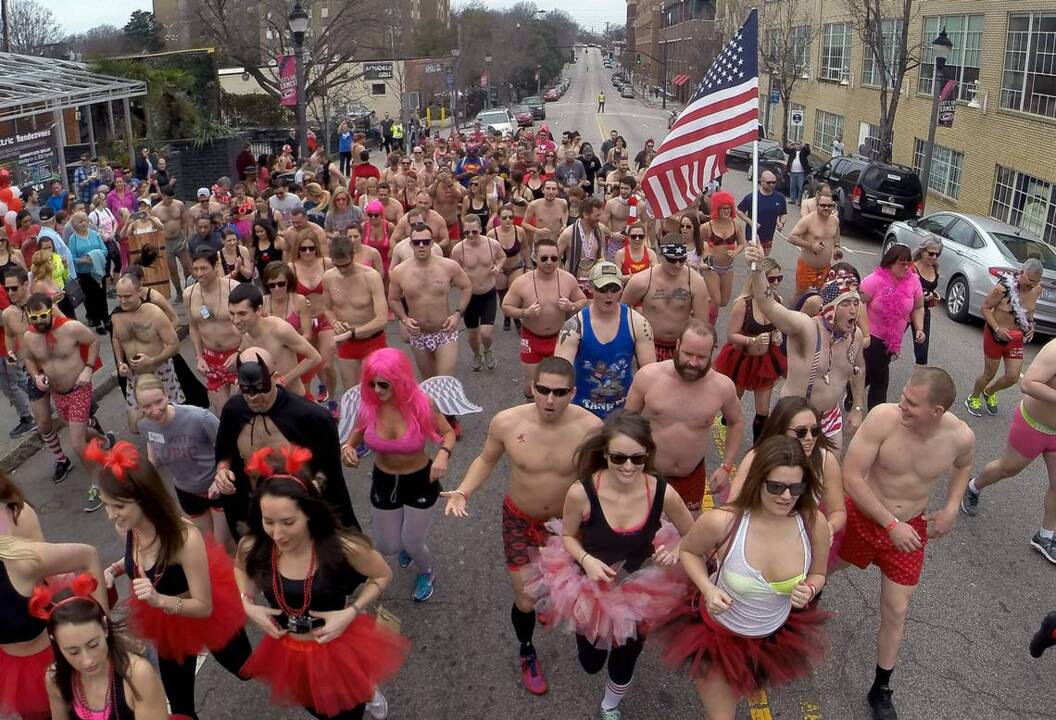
(144, 201)
(204, 191)
(46, 213)
(605, 273)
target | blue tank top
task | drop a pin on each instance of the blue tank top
(604, 370)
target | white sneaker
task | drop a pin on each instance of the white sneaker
(378, 707)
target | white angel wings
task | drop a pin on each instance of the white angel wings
(446, 391)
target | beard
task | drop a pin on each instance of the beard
(690, 374)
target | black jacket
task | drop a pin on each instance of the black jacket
(804, 158)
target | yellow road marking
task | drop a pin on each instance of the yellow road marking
(811, 710)
(601, 128)
(759, 706)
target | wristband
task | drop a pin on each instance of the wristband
(117, 569)
(448, 452)
(813, 589)
(464, 496)
(726, 467)
(893, 523)
(583, 557)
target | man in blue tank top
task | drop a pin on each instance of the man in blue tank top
(603, 341)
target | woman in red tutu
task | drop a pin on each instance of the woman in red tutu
(752, 356)
(319, 651)
(96, 674)
(736, 632)
(594, 578)
(24, 649)
(183, 597)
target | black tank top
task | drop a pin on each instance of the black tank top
(482, 212)
(16, 624)
(263, 257)
(751, 325)
(172, 580)
(326, 596)
(632, 547)
(120, 709)
(928, 285)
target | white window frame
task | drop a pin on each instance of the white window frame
(891, 34)
(1026, 202)
(827, 127)
(796, 132)
(869, 135)
(947, 168)
(964, 63)
(835, 58)
(1030, 61)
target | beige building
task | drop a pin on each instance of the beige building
(997, 159)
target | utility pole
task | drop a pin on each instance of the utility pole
(7, 26)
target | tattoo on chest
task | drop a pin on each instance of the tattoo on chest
(522, 438)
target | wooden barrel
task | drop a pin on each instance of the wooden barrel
(155, 275)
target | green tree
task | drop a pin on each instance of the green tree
(145, 32)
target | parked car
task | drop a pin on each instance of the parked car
(523, 115)
(870, 192)
(551, 95)
(626, 91)
(537, 106)
(975, 251)
(499, 121)
(770, 153)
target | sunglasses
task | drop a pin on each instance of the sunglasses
(425, 242)
(37, 317)
(776, 279)
(932, 253)
(637, 236)
(380, 384)
(12, 288)
(548, 258)
(278, 284)
(674, 261)
(621, 458)
(827, 206)
(374, 215)
(556, 392)
(506, 217)
(471, 232)
(802, 432)
(307, 248)
(778, 488)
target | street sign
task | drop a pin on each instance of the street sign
(377, 70)
(775, 97)
(795, 118)
(434, 68)
(450, 81)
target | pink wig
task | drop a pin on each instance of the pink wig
(375, 206)
(721, 199)
(414, 405)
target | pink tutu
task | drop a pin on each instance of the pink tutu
(607, 614)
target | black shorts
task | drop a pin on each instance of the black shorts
(32, 392)
(416, 490)
(481, 309)
(197, 505)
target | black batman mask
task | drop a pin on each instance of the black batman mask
(254, 377)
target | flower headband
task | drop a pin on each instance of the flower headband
(118, 460)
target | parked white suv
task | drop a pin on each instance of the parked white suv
(498, 120)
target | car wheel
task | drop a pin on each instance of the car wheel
(957, 299)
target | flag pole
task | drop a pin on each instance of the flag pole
(755, 194)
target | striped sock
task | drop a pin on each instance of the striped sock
(52, 441)
(613, 694)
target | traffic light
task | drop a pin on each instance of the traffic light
(638, 59)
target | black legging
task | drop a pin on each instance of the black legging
(345, 162)
(621, 659)
(877, 371)
(920, 352)
(178, 677)
(94, 300)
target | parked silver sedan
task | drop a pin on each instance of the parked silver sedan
(976, 250)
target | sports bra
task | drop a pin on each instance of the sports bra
(305, 290)
(515, 249)
(412, 441)
(752, 326)
(16, 624)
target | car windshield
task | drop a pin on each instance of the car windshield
(520, 109)
(891, 181)
(492, 118)
(533, 100)
(1019, 249)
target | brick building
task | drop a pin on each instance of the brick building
(993, 160)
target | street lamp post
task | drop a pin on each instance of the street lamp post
(454, 93)
(298, 21)
(941, 47)
(487, 69)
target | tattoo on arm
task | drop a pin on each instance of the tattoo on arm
(571, 327)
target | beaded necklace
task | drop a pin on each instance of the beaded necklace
(276, 584)
(80, 700)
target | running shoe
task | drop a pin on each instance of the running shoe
(62, 471)
(505, 323)
(489, 358)
(1044, 637)
(970, 501)
(424, 585)
(405, 559)
(990, 400)
(880, 702)
(1046, 546)
(110, 439)
(93, 502)
(974, 405)
(532, 675)
(25, 425)
(378, 707)
(476, 362)
(613, 714)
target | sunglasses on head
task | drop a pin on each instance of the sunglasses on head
(776, 279)
(778, 488)
(802, 432)
(276, 284)
(621, 458)
(556, 392)
(380, 384)
(422, 242)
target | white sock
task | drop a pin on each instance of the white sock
(972, 487)
(1046, 534)
(613, 694)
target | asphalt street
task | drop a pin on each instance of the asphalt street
(965, 655)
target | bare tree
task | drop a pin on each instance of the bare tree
(32, 27)
(787, 32)
(97, 41)
(884, 28)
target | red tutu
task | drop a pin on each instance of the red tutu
(22, 691)
(751, 372)
(607, 614)
(330, 677)
(176, 636)
(691, 639)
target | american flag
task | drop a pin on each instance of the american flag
(723, 113)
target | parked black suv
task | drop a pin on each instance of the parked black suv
(870, 192)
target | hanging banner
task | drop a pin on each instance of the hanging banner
(31, 157)
(287, 65)
(947, 104)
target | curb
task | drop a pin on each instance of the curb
(27, 446)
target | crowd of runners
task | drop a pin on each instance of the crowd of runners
(325, 315)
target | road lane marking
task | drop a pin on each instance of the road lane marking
(759, 706)
(811, 710)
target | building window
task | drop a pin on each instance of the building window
(966, 34)
(795, 132)
(869, 140)
(801, 48)
(324, 11)
(827, 127)
(1025, 202)
(1029, 80)
(890, 37)
(377, 88)
(946, 167)
(835, 50)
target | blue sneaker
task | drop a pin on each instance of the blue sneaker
(405, 559)
(424, 586)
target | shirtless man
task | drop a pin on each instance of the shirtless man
(60, 356)
(176, 221)
(403, 251)
(541, 439)
(300, 229)
(1007, 329)
(669, 294)
(824, 352)
(817, 236)
(447, 200)
(423, 204)
(548, 212)
(481, 257)
(618, 211)
(145, 341)
(542, 300)
(354, 301)
(681, 398)
(214, 338)
(393, 208)
(892, 465)
(292, 355)
(425, 282)
(623, 170)
(205, 207)
(582, 243)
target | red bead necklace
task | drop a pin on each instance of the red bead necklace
(137, 553)
(80, 699)
(276, 584)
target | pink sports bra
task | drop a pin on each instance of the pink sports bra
(412, 441)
